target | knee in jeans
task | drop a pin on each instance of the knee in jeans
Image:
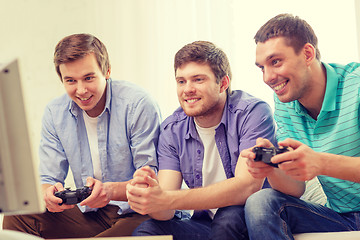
(228, 216)
(146, 228)
(262, 200)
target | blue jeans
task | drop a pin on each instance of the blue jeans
(270, 214)
(228, 223)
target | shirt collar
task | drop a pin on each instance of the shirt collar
(330, 91)
(332, 82)
(75, 110)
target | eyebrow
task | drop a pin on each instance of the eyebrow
(86, 75)
(193, 76)
(268, 58)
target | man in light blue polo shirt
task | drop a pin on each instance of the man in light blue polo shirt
(317, 113)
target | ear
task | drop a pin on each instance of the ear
(107, 76)
(309, 53)
(224, 84)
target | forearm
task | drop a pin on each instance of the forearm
(117, 190)
(44, 187)
(286, 184)
(233, 191)
(339, 166)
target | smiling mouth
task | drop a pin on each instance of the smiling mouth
(192, 100)
(84, 99)
(280, 86)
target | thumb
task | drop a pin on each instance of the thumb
(90, 181)
(151, 181)
(294, 144)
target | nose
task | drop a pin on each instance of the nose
(189, 88)
(81, 88)
(269, 76)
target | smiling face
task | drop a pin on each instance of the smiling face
(286, 72)
(199, 94)
(85, 83)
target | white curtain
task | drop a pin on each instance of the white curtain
(142, 37)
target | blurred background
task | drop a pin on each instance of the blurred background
(142, 37)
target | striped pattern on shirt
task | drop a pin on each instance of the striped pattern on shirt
(336, 130)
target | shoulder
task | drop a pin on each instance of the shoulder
(129, 93)
(240, 100)
(127, 90)
(177, 119)
(344, 71)
(59, 104)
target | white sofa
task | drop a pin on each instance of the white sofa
(355, 235)
(305, 236)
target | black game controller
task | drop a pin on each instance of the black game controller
(71, 197)
(265, 154)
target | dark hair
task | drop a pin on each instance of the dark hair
(77, 46)
(205, 52)
(296, 31)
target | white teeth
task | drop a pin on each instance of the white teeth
(84, 99)
(191, 100)
(278, 87)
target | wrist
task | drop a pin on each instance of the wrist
(171, 200)
(326, 163)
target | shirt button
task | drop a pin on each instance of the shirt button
(197, 176)
(198, 151)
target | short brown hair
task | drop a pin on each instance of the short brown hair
(205, 52)
(296, 31)
(77, 46)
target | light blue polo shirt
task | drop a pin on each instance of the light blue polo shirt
(336, 131)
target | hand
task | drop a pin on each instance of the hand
(257, 169)
(302, 163)
(52, 202)
(100, 195)
(144, 193)
(141, 174)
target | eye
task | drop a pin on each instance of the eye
(69, 80)
(198, 79)
(88, 78)
(275, 61)
(180, 81)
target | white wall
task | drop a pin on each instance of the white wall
(142, 37)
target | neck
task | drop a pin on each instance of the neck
(314, 98)
(213, 116)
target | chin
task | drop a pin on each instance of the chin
(191, 113)
(285, 99)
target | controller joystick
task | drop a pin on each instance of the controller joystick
(71, 197)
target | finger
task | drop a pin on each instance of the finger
(152, 173)
(90, 182)
(133, 190)
(151, 181)
(143, 171)
(96, 186)
(294, 144)
(263, 142)
(289, 156)
(247, 153)
(138, 180)
(58, 187)
(141, 185)
(138, 208)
